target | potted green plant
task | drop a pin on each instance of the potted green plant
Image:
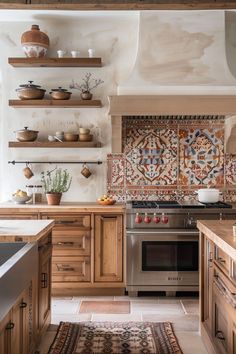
(55, 182)
(88, 84)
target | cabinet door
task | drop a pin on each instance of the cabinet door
(208, 279)
(44, 290)
(5, 335)
(20, 319)
(108, 248)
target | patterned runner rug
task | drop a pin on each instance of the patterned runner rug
(115, 338)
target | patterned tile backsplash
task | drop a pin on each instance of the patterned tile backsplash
(169, 157)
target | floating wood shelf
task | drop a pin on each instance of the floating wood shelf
(55, 103)
(54, 144)
(54, 62)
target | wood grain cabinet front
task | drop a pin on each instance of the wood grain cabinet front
(14, 328)
(18, 216)
(71, 269)
(44, 283)
(108, 245)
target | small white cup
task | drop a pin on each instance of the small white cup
(61, 53)
(91, 52)
(51, 138)
(75, 53)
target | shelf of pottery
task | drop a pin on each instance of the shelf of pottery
(35, 44)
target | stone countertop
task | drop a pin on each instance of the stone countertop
(221, 233)
(24, 230)
(70, 206)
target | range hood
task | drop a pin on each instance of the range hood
(183, 52)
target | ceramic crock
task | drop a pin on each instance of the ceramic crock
(35, 43)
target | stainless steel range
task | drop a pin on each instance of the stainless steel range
(162, 244)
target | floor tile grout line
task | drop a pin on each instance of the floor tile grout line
(185, 312)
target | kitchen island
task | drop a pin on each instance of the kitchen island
(218, 285)
(25, 283)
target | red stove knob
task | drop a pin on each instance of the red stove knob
(138, 219)
(164, 219)
(147, 219)
(156, 219)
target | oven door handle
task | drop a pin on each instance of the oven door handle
(148, 232)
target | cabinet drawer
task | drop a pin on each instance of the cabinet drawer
(222, 260)
(71, 243)
(220, 325)
(69, 221)
(71, 269)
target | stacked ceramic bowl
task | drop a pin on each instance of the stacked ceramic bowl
(84, 134)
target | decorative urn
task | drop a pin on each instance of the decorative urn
(34, 42)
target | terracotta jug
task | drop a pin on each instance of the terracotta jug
(34, 43)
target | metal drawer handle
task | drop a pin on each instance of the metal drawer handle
(44, 281)
(221, 260)
(23, 305)
(10, 326)
(66, 269)
(65, 222)
(65, 243)
(220, 335)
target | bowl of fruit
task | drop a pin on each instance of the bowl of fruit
(106, 200)
(20, 197)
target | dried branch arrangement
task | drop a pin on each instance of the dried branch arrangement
(88, 84)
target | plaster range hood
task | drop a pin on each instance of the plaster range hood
(183, 52)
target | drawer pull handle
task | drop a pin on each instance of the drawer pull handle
(44, 281)
(65, 243)
(221, 260)
(23, 305)
(65, 222)
(66, 269)
(220, 335)
(10, 326)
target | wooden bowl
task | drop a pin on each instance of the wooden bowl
(106, 202)
(85, 137)
(71, 137)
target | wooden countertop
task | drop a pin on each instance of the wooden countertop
(69, 207)
(221, 233)
(24, 230)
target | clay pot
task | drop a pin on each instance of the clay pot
(86, 95)
(30, 92)
(53, 198)
(26, 134)
(35, 43)
(60, 94)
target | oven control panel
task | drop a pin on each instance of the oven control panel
(151, 218)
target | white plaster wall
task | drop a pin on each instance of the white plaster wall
(114, 38)
(178, 52)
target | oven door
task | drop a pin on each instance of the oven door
(162, 257)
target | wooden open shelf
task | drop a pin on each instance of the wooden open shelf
(55, 62)
(55, 103)
(54, 144)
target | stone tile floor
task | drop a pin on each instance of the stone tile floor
(183, 313)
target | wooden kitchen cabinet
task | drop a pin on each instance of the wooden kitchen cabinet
(5, 335)
(217, 290)
(108, 244)
(208, 279)
(18, 216)
(44, 283)
(14, 329)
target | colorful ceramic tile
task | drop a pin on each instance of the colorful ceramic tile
(151, 154)
(201, 156)
(115, 171)
(230, 170)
